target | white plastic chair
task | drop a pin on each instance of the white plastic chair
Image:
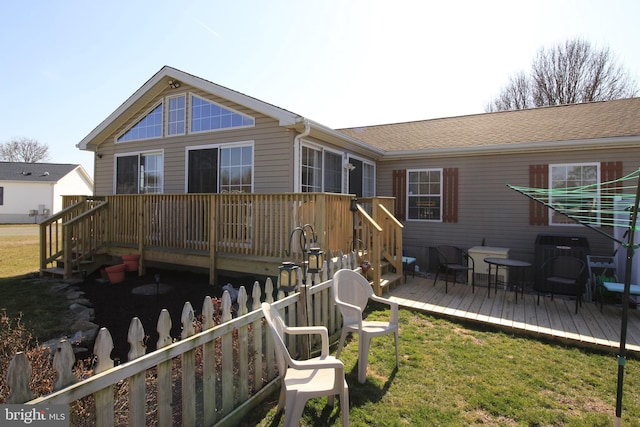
(305, 379)
(351, 293)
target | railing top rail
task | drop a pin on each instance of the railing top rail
(89, 212)
(368, 218)
(391, 216)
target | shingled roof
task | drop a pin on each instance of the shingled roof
(606, 119)
(34, 172)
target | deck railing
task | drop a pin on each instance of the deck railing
(212, 377)
(206, 225)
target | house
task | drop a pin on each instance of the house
(30, 192)
(181, 134)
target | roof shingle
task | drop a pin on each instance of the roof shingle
(593, 120)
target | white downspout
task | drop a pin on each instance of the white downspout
(296, 154)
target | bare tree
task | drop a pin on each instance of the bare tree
(24, 150)
(567, 73)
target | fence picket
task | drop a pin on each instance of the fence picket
(257, 338)
(243, 348)
(165, 395)
(209, 365)
(188, 368)
(104, 398)
(227, 357)
(63, 361)
(18, 377)
(137, 395)
(269, 353)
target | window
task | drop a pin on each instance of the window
(1, 196)
(176, 115)
(150, 126)
(563, 177)
(236, 174)
(311, 170)
(361, 178)
(207, 116)
(424, 198)
(203, 171)
(332, 172)
(321, 170)
(224, 169)
(139, 173)
(368, 180)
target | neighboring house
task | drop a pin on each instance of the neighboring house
(30, 192)
(182, 134)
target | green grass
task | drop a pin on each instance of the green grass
(21, 290)
(458, 375)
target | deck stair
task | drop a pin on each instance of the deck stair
(389, 278)
(82, 265)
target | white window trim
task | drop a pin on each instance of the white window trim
(138, 119)
(190, 116)
(441, 170)
(551, 166)
(137, 153)
(220, 146)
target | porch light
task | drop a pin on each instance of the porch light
(288, 276)
(315, 260)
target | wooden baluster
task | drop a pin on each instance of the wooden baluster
(18, 377)
(104, 398)
(137, 399)
(165, 401)
(188, 368)
(209, 365)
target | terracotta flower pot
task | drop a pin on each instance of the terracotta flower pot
(131, 261)
(115, 273)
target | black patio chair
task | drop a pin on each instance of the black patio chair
(565, 275)
(453, 260)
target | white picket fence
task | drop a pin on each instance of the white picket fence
(212, 377)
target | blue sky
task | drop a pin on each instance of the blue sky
(66, 65)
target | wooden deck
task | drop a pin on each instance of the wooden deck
(555, 320)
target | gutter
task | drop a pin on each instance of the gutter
(296, 152)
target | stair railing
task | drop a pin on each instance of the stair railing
(71, 228)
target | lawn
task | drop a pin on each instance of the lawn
(453, 374)
(22, 292)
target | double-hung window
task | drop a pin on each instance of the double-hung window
(424, 194)
(321, 170)
(585, 202)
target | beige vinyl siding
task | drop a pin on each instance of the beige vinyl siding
(273, 154)
(488, 210)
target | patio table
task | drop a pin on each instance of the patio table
(517, 266)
